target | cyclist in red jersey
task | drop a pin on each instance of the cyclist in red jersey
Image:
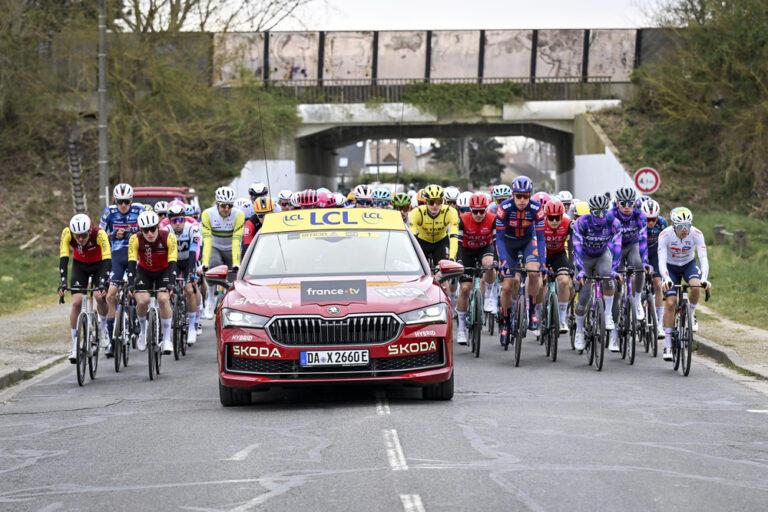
(557, 231)
(477, 246)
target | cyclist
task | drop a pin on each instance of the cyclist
(187, 233)
(677, 261)
(92, 257)
(222, 229)
(500, 193)
(263, 205)
(152, 256)
(452, 196)
(596, 246)
(578, 208)
(161, 209)
(462, 203)
(341, 201)
(193, 213)
(284, 200)
(436, 226)
(257, 190)
(307, 199)
(557, 231)
(402, 203)
(119, 222)
(477, 241)
(634, 246)
(656, 224)
(382, 198)
(351, 199)
(245, 205)
(541, 197)
(566, 198)
(363, 196)
(520, 231)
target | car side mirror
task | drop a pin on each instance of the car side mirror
(217, 276)
(449, 270)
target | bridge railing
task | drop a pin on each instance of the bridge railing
(391, 90)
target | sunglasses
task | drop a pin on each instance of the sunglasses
(363, 202)
(478, 211)
(82, 235)
(149, 230)
(177, 220)
(500, 200)
(435, 202)
(599, 213)
(283, 204)
(226, 206)
(553, 218)
(520, 197)
(123, 201)
(451, 203)
(626, 203)
(381, 203)
(683, 226)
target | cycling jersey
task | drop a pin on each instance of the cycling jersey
(434, 229)
(224, 233)
(592, 238)
(653, 235)
(112, 221)
(676, 251)
(187, 239)
(475, 235)
(252, 226)
(556, 238)
(153, 256)
(515, 229)
(95, 250)
(634, 229)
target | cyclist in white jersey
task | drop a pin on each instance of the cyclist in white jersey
(677, 261)
(187, 234)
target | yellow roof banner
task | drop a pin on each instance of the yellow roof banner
(349, 219)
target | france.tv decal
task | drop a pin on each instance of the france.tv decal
(318, 292)
(372, 217)
(293, 219)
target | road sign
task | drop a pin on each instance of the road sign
(647, 180)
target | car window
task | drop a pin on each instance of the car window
(333, 253)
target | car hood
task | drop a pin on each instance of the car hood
(333, 297)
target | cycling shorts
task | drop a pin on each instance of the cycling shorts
(558, 261)
(82, 271)
(146, 280)
(185, 268)
(119, 265)
(220, 257)
(688, 271)
(529, 252)
(434, 252)
(470, 258)
(653, 260)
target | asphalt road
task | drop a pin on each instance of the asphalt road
(543, 436)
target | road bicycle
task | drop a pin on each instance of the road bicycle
(682, 329)
(154, 340)
(88, 332)
(627, 325)
(550, 315)
(517, 322)
(595, 334)
(126, 326)
(492, 317)
(650, 324)
(180, 321)
(475, 314)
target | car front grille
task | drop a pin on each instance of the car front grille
(350, 330)
(378, 367)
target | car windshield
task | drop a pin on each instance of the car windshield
(320, 253)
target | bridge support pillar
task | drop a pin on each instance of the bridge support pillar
(314, 164)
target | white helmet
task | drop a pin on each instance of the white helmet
(123, 191)
(341, 200)
(650, 208)
(284, 195)
(565, 196)
(225, 195)
(451, 193)
(161, 207)
(242, 203)
(79, 224)
(148, 219)
(363, 192)
(258, 190)
(463, 199)
(176, 209)
(295, 200)
(681, 215)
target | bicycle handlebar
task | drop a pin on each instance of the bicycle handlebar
(684, 287)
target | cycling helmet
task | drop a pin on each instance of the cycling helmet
(401, 200)
(433, 192)
(565, 197)
(325, 199)
(148, 220)
(382, 194)
(451, 194)
(80, 224)
(308, 198)
(581, 209)
(242, 203)
(176, 201)
(651, 209)
(284, 195)
(640, 200)
(599, 202)
(554, 208)
(363, 192)
(463, 201)
(501, 191)
(225, 195)
(161, 207)
(420, 196)
(176, 210)
(340, 199)
(478, 201)
(681, 215)
(540, 197)
(625, 194)
(123, 191)
(263, 204)
(295, 200)
(192, 210)
(351, 196)
(147, 207)
(522, 185)
(258, 190)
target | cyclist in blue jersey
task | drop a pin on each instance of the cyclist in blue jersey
(596, 246)
(120, 221)
(499, 194)
(520, 230)
(656, 224)
(634, 246)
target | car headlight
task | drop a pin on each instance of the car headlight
(436, 313)
(236, 318)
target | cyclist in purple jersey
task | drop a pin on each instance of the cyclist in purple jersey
(656, 224)
(596, 247)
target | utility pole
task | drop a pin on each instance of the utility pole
(103, 169)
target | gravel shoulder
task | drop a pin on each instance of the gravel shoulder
(32, 336)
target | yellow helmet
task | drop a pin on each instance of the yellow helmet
(419, 196)
(263, 204)
(582, 209)
(351, 196)
(433, 192)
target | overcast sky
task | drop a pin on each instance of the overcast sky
(468, 14)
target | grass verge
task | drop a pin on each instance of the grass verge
(26, 280)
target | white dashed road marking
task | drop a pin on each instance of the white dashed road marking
(382, 406)
(394, 450)
(412, 503)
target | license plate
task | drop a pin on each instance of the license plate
(334, 358)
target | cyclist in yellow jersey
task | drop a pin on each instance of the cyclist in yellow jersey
(436, 226)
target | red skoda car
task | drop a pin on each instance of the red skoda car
(331, 296)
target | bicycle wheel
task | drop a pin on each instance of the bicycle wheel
(644, 329)
(477, 328)
(158, 341)
(623, 327)
(632, 334)
(677, 328)
(554, 326)
(600, 335)
(176, 330)
(93, 357)
(520, 331)
(686, 345)
(653, 327)
(151, 343)
(117, 338)
(81, 351)
(570, 316)
(544, 327)
(184, 324)
(589, 336)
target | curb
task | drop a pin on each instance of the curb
(11, 377)
(728, 356)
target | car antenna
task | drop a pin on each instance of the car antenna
(397, 169)
(263, 143)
